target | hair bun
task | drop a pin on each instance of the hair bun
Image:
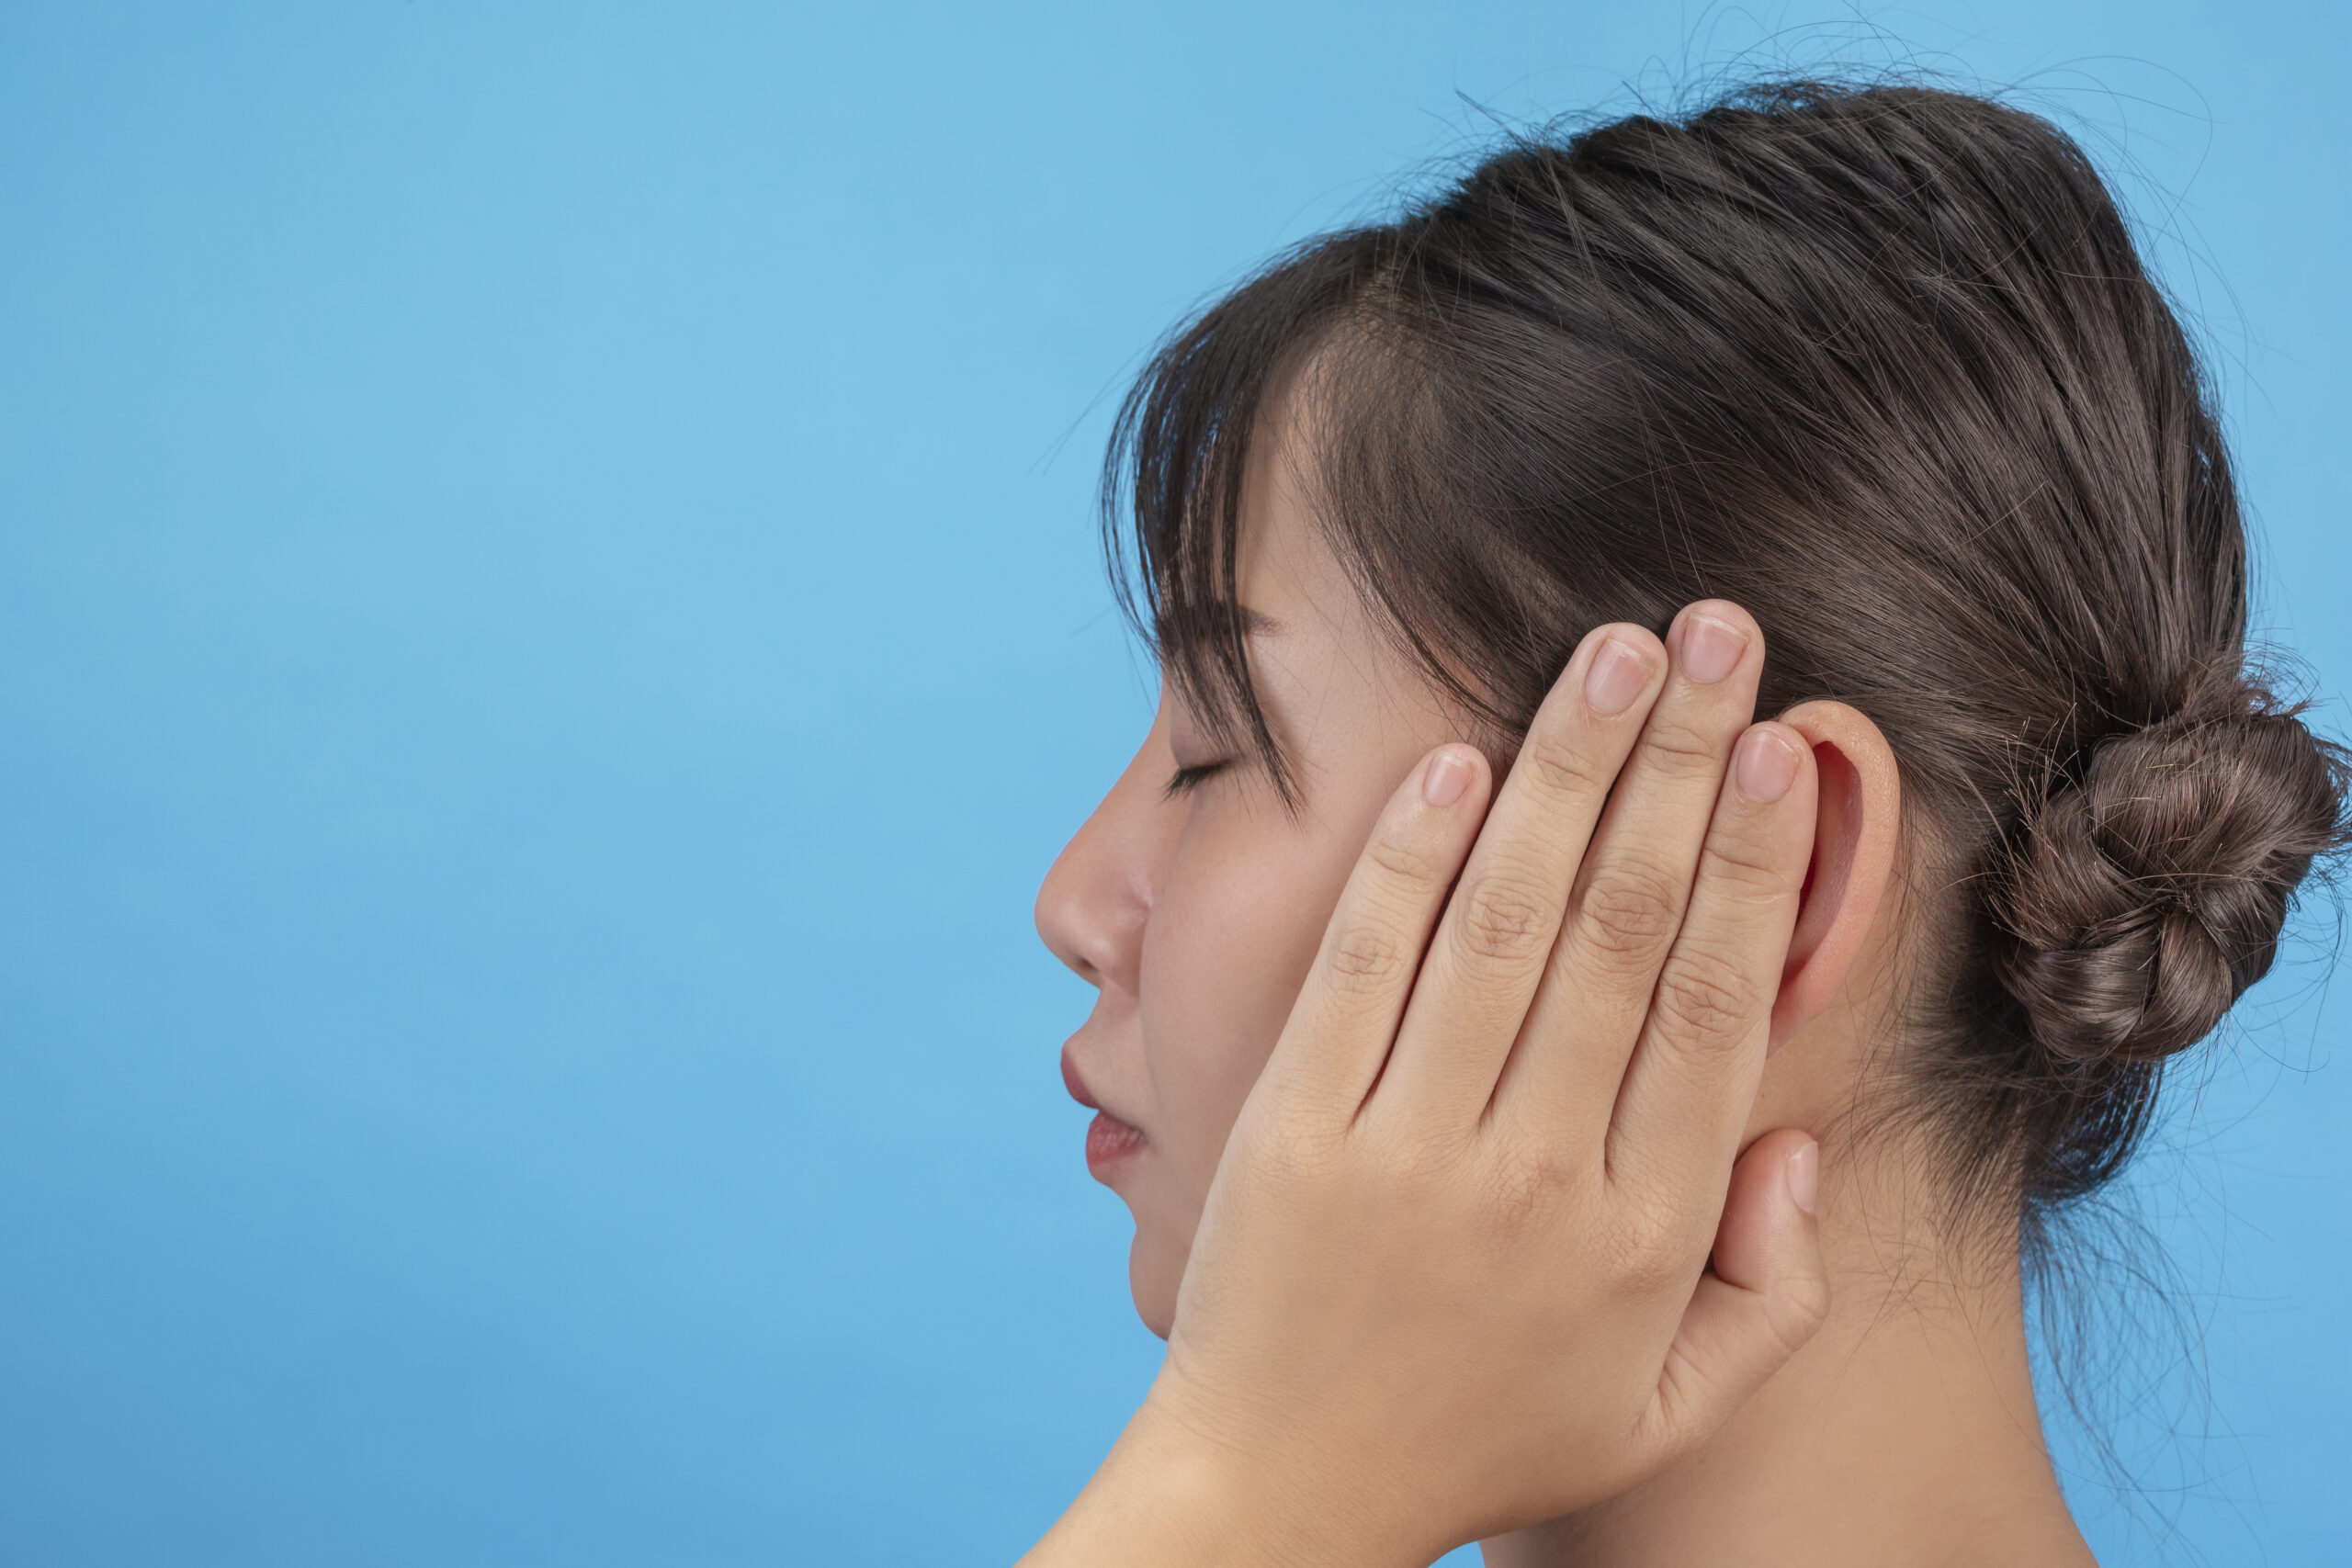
(2144, 900)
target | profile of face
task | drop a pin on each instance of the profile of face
(1193, 899)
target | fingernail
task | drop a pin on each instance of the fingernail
(1805, 1175)
(1766, 766)
(1709, 648)
(1448, 776)
(1616, 678)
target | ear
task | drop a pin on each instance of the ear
(1853, 854)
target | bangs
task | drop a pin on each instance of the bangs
(1172, 489)
(1415, 452)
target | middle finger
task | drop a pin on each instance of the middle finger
(1489, 952)
(1635, 885)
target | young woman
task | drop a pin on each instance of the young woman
(1852, 407)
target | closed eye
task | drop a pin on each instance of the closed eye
(1187, 779)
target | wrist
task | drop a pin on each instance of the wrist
(1175, 1492)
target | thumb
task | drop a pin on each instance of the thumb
(1764, 1294)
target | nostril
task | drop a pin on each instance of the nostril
(1076, 913)
(1057, 928)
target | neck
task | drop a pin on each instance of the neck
(1905, 1433)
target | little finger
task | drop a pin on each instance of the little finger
(1340, 1029)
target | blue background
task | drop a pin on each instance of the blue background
(549, 627)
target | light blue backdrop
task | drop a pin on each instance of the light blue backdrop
(550, 628)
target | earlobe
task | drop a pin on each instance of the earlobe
(1853, 855)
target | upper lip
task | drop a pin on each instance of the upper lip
(1076, 1085)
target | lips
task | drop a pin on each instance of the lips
(1076, 1085)
(1109, 1140)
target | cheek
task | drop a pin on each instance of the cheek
(1231, 936)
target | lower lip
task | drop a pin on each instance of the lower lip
(1109, 1141)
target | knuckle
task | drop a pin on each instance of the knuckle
(1559, 769)
(1796, 1310)
(1629, 912)
(1678, 751)
(1705, 996)
(1739, 862)
(1503, 916)
(1401, 860)
(1364, 958)
(1520, 1189)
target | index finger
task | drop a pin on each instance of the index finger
(1496, 937)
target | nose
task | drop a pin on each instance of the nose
(1096, 899)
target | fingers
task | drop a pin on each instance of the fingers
(1692, 1079)
(1629, 896)
(1338, 1037)
(1496, 937)
(1765, 1294)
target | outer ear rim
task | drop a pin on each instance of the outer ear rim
(1858, 832)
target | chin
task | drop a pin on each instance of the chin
(1154, 1268)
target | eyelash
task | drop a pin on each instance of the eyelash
(1185, 780)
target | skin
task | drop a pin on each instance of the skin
(1904, 1432)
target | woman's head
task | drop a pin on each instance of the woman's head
(1881, 366)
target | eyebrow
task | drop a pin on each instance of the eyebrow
(1204, 628)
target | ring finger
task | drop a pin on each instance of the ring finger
(1629, 894)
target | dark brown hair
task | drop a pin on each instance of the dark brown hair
(1881, 365)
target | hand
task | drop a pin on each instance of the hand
(1453, 1275)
